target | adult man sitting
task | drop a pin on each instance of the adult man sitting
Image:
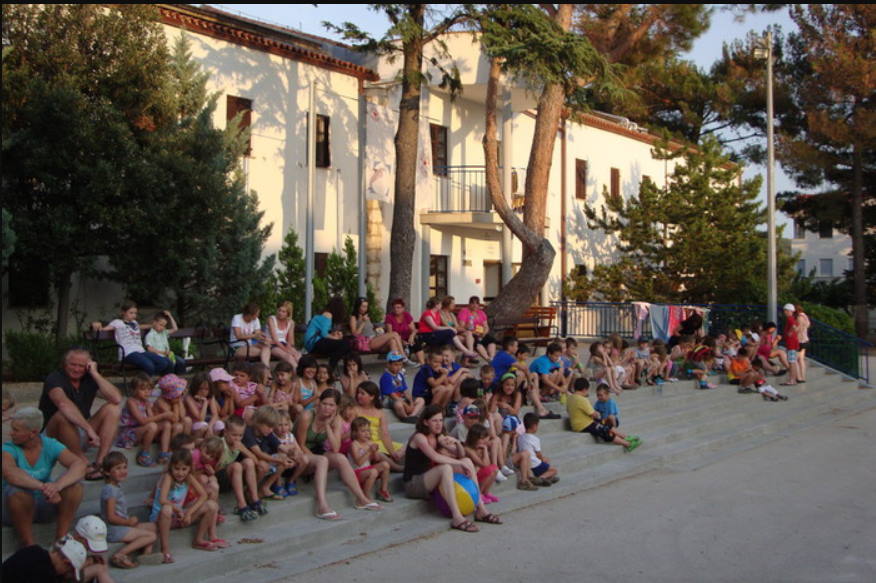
(28, 493)
(66, 403)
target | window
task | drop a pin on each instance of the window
(801, 267)
(615, 182)
(323, 146)
(825, 229)
(825, 267)
(581, 179)
(438, 135)
(579, 271)
(437, 276)
(799, 229)
(243, 107)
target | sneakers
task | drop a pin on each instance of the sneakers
(262, 509)
(500, 477)
(526, 485)
(543, 482)
(507, 470)
(634, 443)
(246, 514)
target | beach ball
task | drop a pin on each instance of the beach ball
(466, 492)
(510, 423)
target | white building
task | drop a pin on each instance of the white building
(462, 247)
(827, 254)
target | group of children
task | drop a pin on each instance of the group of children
(233, 430)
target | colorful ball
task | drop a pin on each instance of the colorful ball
(466, 493)
(510, 423)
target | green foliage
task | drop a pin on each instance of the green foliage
(839, 319)
(290, 275)
(83, 89)
(696, 241)
(33, 354)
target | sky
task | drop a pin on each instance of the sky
(725, 28)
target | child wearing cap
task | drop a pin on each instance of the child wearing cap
(792, 344)
(90, 532)
(34, 563)
(171, 401)
(220, 387)
(395, 392)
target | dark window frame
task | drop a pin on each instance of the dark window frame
(440, 158)
(580, 179)
(439, 270)
(235, 105)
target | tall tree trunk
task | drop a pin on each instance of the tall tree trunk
(860, 279)
(62, 289)
(403, 235)
(539, 254)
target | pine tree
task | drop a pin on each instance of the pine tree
(697, 240)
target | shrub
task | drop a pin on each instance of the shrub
(34, 355)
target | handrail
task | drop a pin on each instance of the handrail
(828, 345)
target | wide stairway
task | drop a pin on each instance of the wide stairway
(682, 428)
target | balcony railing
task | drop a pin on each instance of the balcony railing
(464, 189)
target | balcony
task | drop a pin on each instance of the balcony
(460, 199)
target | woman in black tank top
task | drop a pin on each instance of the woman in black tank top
(427, 470)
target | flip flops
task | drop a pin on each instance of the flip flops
(370, 506)
(330, 515)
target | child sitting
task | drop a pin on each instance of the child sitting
(306, 393)
(158, 340)
(245, 391)
(172, 389)
(168, 509)
(395, 392)
(660, 367)
(205, 459)
(260, 439)
(202, 408)
(432, 382)
(139, 424)
(236, 470)
(368, 464)
(528, 382)
(698, 362)
(290, 447)
(543, 473)
(122, 528)
(570, 359)
(487, 380)
(642, 360)
(549, 369)
(222, 392)
(353, 375)
(282, 394)
(368, 405)
(584, 419)
(324, 379)
(477, 449)
(606, 407)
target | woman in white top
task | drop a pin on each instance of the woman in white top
(246, 338)
(281, 334)
(129, 337)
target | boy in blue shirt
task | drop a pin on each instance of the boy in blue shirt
(505, 358)
(549, 369)
(606, 407)
(395, 393)
(432, 382)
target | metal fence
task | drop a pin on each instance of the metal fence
(464, 188)
(827, 345)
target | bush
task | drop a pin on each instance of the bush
(34, 355)
(839, 319)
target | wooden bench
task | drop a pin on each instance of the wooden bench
(537, 325)
(209, 347)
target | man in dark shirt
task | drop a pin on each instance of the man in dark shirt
(66, 403)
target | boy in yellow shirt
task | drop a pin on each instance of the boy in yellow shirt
(584, 419)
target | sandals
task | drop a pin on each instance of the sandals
(489, 518)
(526, 485)
(291, 489)
(370, 506)
(246, 513)
(204, 546)
(465, 526)
(94, 473)
(277, 493)
(330, 515)
(384, 496)
(220, 543)
(123, 562)
(168, 558)
(164, 457)
(145, 460)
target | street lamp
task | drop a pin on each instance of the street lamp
(765, 51)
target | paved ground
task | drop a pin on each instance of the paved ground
(801, 509)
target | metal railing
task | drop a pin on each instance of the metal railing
(464, 188)
(827, 345)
